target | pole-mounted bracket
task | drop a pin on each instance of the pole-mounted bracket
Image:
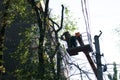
(100, 33)
(97, 36)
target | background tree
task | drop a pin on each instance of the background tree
(13, 12)
(35, 41)
(114, 76)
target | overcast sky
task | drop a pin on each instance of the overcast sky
(105, 16)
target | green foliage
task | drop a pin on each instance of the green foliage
(28, 59)
(69, 21)
(115, 72)
(114, 76)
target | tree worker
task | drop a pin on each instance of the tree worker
(71, 40)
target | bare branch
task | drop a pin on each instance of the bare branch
(85, 72)
(46, 7)
(54, 22)
(62, 16)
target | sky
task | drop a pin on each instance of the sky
(104, 15)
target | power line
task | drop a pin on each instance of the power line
(86, 18)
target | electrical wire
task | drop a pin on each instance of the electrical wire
(86, 18)
(87, 24)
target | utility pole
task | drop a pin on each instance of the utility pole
(98, 57)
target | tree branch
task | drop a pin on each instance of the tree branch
(62, 16)
(80, 70)
(46, 7)
(54, 23)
